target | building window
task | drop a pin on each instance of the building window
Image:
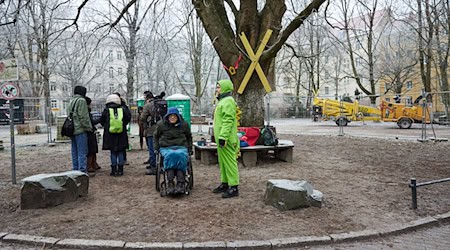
(111, 72)
(409, 85)
(119, 55)
(327, 90)
(65, 104)
(388, 99)
(358, 61)
(52, 86)
(408, 100)
(111, 88)
(54, 104)
(110, 56)
(119, 71)
(64, 88)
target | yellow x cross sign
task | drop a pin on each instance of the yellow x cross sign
(255, 64)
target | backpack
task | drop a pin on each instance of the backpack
(115, 120)
(68, 128)
(159, 110)
(269, 137)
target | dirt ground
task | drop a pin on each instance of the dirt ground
(364, 182)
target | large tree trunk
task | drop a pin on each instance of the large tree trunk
(250, 101)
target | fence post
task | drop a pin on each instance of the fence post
(413, 192)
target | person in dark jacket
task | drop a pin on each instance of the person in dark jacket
(82, 126)
(146, 118)
(141, 128)
(117, 143)
(92, 164)
(173, 139)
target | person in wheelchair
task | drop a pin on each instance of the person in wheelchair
(172, 139)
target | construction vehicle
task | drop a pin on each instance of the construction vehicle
(404, 115)
(343, 112)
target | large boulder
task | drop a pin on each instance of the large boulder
(44, 190)
(288, 194)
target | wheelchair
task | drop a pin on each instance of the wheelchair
(162, 179)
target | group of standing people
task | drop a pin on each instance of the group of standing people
(84, 145)
(171, 137)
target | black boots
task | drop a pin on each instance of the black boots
(221, 188)
(113, 170)
(120, 170)
(116, 170)
(231, 192)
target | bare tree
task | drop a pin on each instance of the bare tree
(74, 60)
(363, 34)
(201, 58)
(397, 58)
(39, 28)
(132, 17)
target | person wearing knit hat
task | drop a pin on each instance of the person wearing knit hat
(83, 125)
(114, 120)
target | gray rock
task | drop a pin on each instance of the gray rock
(288, 194)
(43, 190)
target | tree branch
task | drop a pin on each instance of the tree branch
(297, 22)
(124, 10)
(233, 8)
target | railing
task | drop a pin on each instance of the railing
(414, 185)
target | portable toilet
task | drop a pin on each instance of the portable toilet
(140, 102)
(183, 103)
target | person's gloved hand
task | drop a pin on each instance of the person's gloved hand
(222, 143)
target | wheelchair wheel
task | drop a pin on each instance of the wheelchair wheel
(162, 181)
(158, 178)
(191, 174)
(158, 171)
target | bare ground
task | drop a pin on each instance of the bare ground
(364, 181)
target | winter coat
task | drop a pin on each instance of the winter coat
(225, 124)
(119, 141)
(92, 139)
(167, 134)
(81, 119)
(146, 117)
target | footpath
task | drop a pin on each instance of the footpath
(426, 233)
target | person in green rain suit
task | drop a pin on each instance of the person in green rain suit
(226, 137)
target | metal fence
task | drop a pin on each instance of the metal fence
(276, 106)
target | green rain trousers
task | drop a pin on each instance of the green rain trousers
(228, 165)
(225, 128)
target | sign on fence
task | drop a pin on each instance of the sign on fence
(18, 111)
(9, 91)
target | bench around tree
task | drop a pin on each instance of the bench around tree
(283, 151)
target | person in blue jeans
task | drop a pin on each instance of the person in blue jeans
(82, 124)
(114, 120)
(146, 118)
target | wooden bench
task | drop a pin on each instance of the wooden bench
(249, 155)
